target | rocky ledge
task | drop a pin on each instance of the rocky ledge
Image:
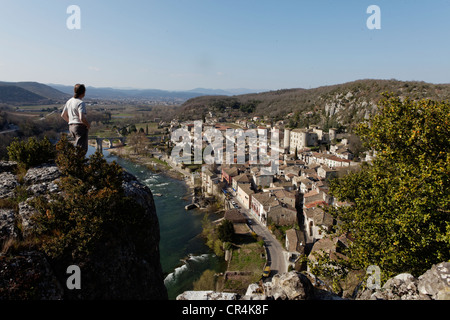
(117, 269)
(432, 285)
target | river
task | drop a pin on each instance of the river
(184, 255)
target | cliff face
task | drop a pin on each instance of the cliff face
(123, 266)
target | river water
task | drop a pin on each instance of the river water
(184, 255)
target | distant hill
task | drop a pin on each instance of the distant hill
(342, 104)
(139, 94)
(19, 93)
(149, 94)
(227, 92)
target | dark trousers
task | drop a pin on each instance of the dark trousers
(80, 134)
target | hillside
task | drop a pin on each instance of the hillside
(149, 94)
(135, 94)
(20, 93)
(343, 104)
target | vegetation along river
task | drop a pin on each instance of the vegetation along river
(184, 255)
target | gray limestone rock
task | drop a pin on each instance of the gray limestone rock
(436, 282)
(41, 174)
(7, 225)
(401, 287)
(8, 183)
(28, 276)
(290, 286)
(124, 266)
(26, 211)
(206, 295)
(7, 166)
(432, 285)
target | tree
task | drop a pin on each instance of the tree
(132, 129)
(399, 218)
(31, 152)
(138, 141)
(226, 231)
(124, 131)
(91, 206)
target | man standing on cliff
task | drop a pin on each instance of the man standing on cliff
(75, 114)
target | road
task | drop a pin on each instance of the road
(9, 131)
(276, 255)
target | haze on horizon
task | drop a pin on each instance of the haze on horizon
(180, 45)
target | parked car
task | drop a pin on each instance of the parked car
(266, 272)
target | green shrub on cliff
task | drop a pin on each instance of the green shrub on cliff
(31, 152)
(399, 219)
(91, 206)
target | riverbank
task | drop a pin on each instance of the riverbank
(184, 254)
(153, 164)
(236, 274)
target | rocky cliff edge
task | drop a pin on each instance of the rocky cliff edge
(432, 285)
(116, 269)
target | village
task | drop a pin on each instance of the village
(289, 201)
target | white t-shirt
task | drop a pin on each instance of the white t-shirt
(75, 107)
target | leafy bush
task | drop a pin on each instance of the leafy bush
(91, 206)
(226, 231)
(400, 213)
(31, 152)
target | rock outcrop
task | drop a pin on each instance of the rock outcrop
(207, 295)
(288, 286)
(118, 268)
(432, 285)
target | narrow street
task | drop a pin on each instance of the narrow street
(276, 259)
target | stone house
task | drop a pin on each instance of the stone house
(303, 184)
(244, 195)
(317, 223)
(324, 172)
(209, 181)
(240, 179)
(330, 246)
(316, 195)
(261, 204)
(295, 245)
(283, 184)
(262, 179)
(228, 173)
(282, 215)
(301, 138)
(334, 161)
(290, 198)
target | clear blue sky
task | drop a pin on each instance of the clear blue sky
(223, 44)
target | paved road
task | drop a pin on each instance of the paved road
(276, 253)
(9, 131)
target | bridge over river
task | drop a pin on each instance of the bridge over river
(111, 141)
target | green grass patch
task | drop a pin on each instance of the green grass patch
(248, 257)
